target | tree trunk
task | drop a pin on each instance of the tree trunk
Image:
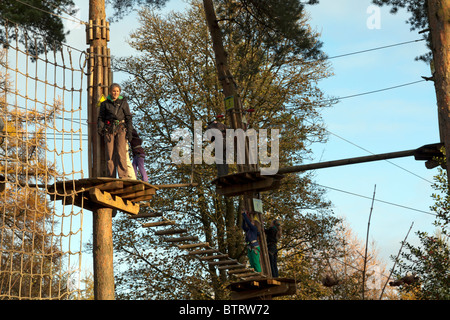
(439, 21)
(234, 114)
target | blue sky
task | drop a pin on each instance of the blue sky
(393, 120)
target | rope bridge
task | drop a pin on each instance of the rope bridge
(40, 144)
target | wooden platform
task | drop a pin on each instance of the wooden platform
(240, 183)
(102, 192)
(263, 288)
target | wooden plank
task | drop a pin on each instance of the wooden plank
(105, 199)
(214, 263)
(193, 245)
(203, 251)
(158, 223)
(146, 215)
(180, 239)
(231, 266)
(131, 189)
(114, 185)
(81, 201)
(139, 194)
(216, 256)
(234, 190)
(243, 269)
(248, 274)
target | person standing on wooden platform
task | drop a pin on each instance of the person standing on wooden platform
(251, 238)
(115, 125)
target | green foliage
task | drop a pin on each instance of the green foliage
(123, 7)
(279, 24)
(172, 83)
(430, 261)
(38, 17)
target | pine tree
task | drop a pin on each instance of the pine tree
(38, 17)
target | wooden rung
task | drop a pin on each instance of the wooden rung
(214, 263)
(139, 194)
(242, 270)
(217, 256)
(193, 245)
(146, 215)
(245, 275)
(204, 251)
(114, 185)
(231, 266)
(255, 277)
(180, 239)
(158, 223)
(169, 232)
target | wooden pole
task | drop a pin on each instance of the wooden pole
(439, 23)
(343, 162)
(103, 255)
(233, 108)
(428, 152)
(97, 34)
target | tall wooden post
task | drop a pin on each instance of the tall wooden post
(234, 112)
(97, 35)
(439, 22)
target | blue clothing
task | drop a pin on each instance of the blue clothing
(251, 231)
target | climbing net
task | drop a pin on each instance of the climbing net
(41, 143)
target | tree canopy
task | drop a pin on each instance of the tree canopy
(429, 262)
(37, 17)
(173, 83)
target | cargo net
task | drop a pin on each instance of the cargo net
(41, 143)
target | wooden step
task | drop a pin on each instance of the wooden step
(170, 232)
(204, 251)
(217, 256)
(214, 263)
(193, 245)
(130, 189)
(231, 266)
(248, 274)
(158, 223)
(242, 270)
(255, 278)
(180, 239)
(146, 215)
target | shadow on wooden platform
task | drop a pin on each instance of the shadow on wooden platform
(242, 182)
